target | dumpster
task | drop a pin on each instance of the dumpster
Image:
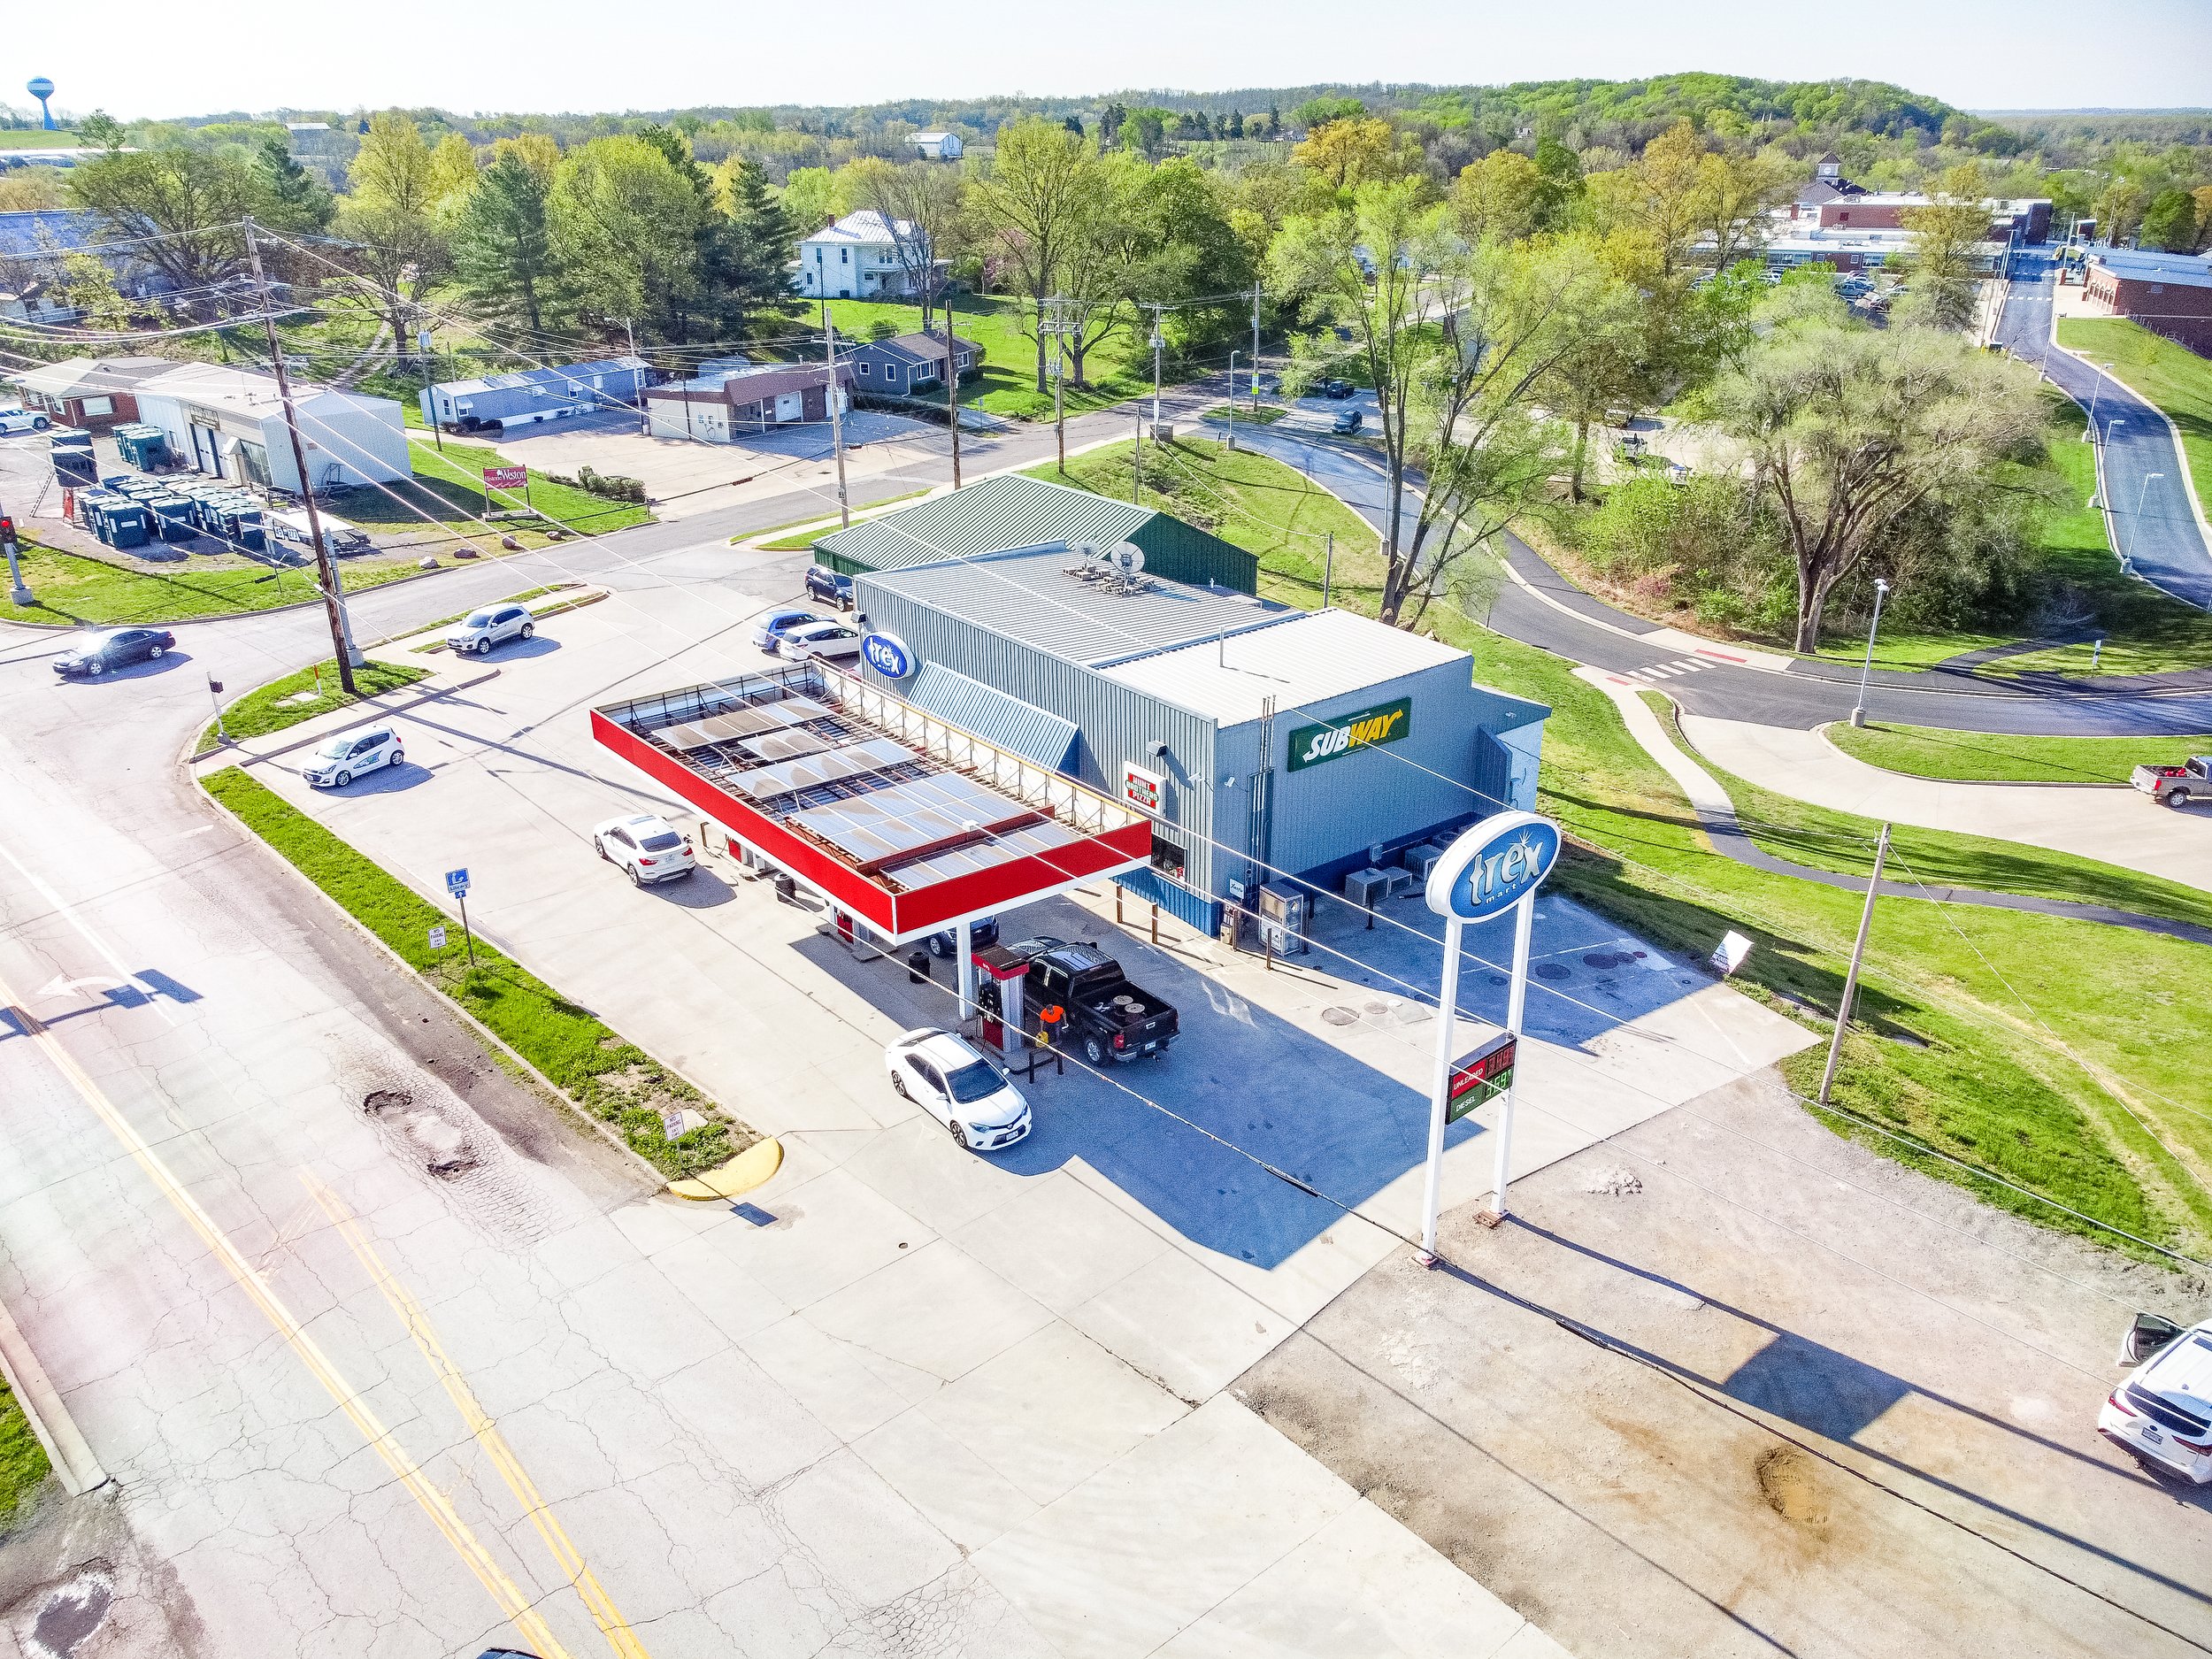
(172, 518)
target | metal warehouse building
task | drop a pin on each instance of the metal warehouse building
(1252, 733)
(1013, 512)
(528, 395)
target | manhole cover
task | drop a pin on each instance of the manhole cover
(386, 1100)
(1338, 1017)
(1604, 959)
(1377, 1007)
(1550, 971)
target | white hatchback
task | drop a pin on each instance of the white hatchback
(953, 1083)
(2161, 1415)
(338, 760)
(648, 847)
(480, 630)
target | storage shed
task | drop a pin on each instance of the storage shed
(1254, 734)
(1012, 511)
(229, 423)
(529, 396)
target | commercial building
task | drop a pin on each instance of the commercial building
(1254, 736)
(1853, 251)
(528, 395)
(1014, 511)
(229, 423)
(723, 407)
(90, 393)
(2170, 294)
(1829, 201)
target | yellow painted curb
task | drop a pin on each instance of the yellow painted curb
(742, 1173)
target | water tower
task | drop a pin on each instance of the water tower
(40, 88)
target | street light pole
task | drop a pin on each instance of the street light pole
(2135, 536)
(1858, 713)
(1230, 424)
(2095, 392)
(837, 424)
(1858, 954)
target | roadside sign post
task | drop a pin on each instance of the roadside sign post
(506, 478)
(1494, 867)
(456, 883)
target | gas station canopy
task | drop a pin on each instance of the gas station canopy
(895, 816)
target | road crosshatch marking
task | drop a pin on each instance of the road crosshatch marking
(514, 1604)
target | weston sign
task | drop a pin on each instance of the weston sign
(1384, 723)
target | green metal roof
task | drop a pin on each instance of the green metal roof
(1013, 512)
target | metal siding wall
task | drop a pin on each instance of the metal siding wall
(1182, 552)
(1117, 725)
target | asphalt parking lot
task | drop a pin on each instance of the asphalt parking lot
(1134, 1267)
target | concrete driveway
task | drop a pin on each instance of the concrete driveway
(2110, 822)
(1031, 1349)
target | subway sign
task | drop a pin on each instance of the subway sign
(1384, 723)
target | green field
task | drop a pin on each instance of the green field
(1991, 757)
(613, 1079)
(1251, 499)
(271, 708)
(70, 588)
(2171, 376)
(1117, 369)
(444, 505)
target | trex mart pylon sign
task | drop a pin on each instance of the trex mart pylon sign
(1494, 867)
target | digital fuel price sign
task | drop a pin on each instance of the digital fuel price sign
(1480, 1077)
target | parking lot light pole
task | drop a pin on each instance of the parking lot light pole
(1858, 713)
(2095, 392)
(2135, 534)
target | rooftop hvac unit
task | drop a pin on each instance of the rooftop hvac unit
(1420, 859)
(1367, 889)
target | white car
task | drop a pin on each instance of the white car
(826, 639)
(2161, 1415)
(775, 623)
(649, 847)
(338, 760)
(22, 421)
(955, 1084)
(480, 630)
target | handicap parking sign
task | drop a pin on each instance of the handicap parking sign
(457, 882)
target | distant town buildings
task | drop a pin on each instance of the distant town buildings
(938, 146)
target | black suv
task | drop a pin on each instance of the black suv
(826, 584)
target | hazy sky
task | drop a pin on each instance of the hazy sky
(574, 54)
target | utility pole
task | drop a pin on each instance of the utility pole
(837, 422)
(1136, 459)
(1256, 354)
(430, 368)
(952, 387)
(1159, 344)
(333, 605)
(1858, 954)
(1230, 424)
(644, 422)
(1060, 380)
(1328, 568)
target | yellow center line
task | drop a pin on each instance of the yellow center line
(514, 1604)
(612, 1625)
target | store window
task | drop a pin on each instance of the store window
(106, 405)
(1167, 857)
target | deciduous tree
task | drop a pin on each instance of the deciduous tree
(625, 224)
(182, 207)
(1032, 201)
(391, 223)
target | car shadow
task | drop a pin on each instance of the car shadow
(515, 650)
(387, 780)
(701, 890)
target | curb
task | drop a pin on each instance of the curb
(370, 708)
(66, 1449)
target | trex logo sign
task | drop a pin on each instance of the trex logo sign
(1384, 723)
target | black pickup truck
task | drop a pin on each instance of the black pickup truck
(1107, 1016)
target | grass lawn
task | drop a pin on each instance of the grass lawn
(2171, 376)
(1118, 368)
(1254, 501)
(1989, 757)
(271, 708)
(23, 1463)
(444, 503)
(72, 589)
(613, 1079)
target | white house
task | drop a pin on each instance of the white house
(937, 146)
(857, 257)
(230, 423)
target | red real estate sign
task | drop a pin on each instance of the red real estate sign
(506, 477)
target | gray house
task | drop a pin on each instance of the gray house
(910, 364)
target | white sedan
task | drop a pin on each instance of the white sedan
(830, 641)
(648, 847)
(2161, 1415)
(950, 1080)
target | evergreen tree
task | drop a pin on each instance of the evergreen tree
(763, 234)
(1074, 124)
(502, 247)
(292, 198)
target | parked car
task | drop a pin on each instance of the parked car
(340, 758)
(1104, 1015)
(22, 421)
(953, 1083)
(96, 650)
(2161, 1415)
(2176, 786)
(774, 624)
(1347, 421)
(480, 630)
(980, 934)
(829, 586)
(649, 847)
(830, 641)
(1337, 388)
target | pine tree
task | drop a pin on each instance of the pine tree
(502, 247)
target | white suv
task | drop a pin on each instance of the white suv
(647, 846)
(2161, 1415)
(22, 421)
(337, 761)
(480, 630)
